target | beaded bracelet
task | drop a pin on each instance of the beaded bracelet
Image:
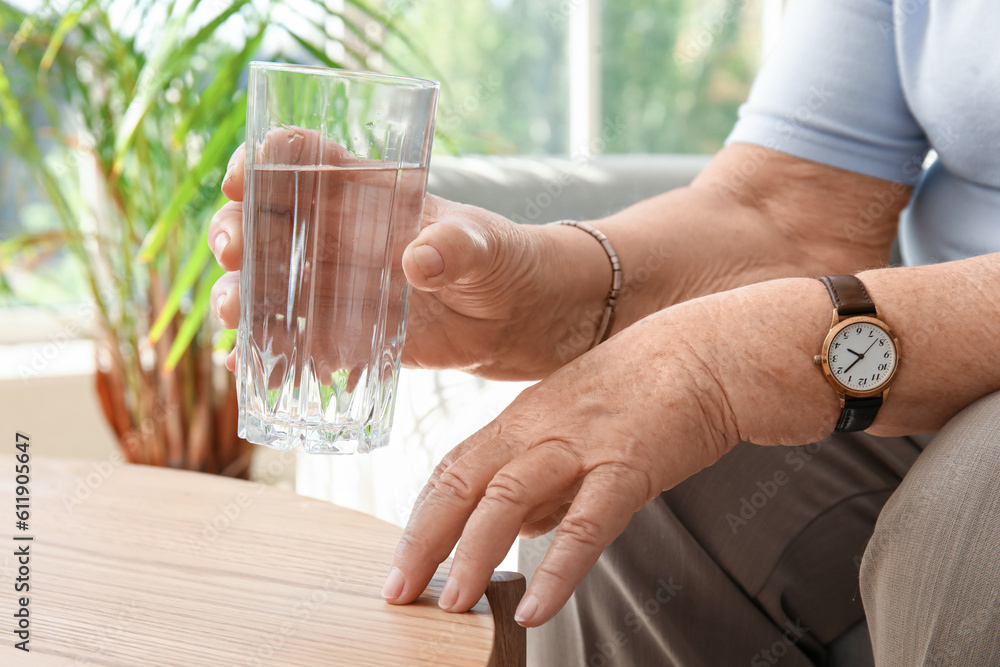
(608, 318)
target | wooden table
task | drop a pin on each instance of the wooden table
(133, 565)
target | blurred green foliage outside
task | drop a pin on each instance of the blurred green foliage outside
(673, 72)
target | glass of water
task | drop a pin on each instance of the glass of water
(336, 170)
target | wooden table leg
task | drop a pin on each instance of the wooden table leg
(510, 647)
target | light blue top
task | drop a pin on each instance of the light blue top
(871, 86)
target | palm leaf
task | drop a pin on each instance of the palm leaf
(153, 75)
(354, 30)
(223, 86)
(25, 30)
(216, 153)
(159, 70)
(14, 119)
(67, 23)
(192, 322)
(401, 35)
(185, 279)
(314, 50)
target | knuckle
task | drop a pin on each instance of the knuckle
(582, 530)
(452, 487)
(558, 574)
(506, 488)
(635, 483)
(438, 471)
(566, 451)
(451, 458)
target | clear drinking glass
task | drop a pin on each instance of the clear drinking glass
(336, 169)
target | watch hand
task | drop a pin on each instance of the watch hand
(859, 355)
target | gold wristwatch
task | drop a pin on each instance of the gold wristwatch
(860, 355)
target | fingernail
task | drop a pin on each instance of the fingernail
(429, 260)
(221, 241)
(525, 610)
(449, 596)
(218, 304)
(393, 584)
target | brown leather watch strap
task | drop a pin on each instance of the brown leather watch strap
(849, 295)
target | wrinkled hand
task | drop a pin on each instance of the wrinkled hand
(585, 448)
(485, 293)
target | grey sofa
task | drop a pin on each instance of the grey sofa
(537, 190)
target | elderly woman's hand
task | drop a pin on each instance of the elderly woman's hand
(490, 296)
(588, 446)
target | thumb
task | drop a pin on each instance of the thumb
(459, 250)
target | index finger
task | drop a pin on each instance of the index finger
(443, 508)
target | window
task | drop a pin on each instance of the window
(504, 69)
(586, 76)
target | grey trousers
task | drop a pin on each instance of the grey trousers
(778, 556)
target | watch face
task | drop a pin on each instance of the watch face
(862, 356)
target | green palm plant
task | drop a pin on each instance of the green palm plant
(126, 118)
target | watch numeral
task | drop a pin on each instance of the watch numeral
(883, 367)
(834, 360)
(871, 334)
(862, 381)
(836, 345)
(881, 342)
(858, 330)
(876, 378)
(840, 369)
(887, 355)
